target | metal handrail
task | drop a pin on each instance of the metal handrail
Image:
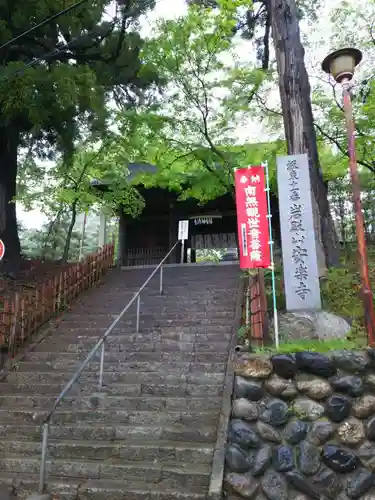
(100, 343)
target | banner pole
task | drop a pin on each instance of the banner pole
(269, 216)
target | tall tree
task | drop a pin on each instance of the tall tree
(295, 94)
(283, 17)
(55, 83)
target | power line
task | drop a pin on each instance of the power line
(54, 52)
(43, 23)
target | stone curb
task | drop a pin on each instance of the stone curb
(217, 472)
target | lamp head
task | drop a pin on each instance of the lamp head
(342, 63)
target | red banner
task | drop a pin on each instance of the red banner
(253, 232)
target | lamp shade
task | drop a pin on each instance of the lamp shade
(341, 64)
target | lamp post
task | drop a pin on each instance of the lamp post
(341, 65)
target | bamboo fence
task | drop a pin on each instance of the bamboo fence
(24, 312)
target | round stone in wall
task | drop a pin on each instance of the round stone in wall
(283, 458)
(338, 408)
(371, 356)
(370, 429)
(352, 385)
(250, 365)
(241, 433)
(360, 483)
(350, 361)
(370, 380)
(274, 412)
(268, 433)
(364, 407)
(295, 431)
(308, 458)
(300, 483)
(278, 386)
(236, 459)
(339, 459)
(366, 453)
(243, 484)
(315, 363)
(307, 409)
(369, 496)
(284, 365)
(262, 460)
(274, 486)
(248, 389)
(351, 432)
(245, 409)
(317, 388)
(327, 482)
(321, 431)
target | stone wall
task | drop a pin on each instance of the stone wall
(302, 427)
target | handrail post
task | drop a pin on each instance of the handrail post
(43, 461)
(101, 367)
(138, 311)
(161, 281)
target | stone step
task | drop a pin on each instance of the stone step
(82, 344)
(96, 453)
(128, 355)
(22, 416)
(166, 330)
(108, 402)
(155, 339)
(206, 300)
(150, 433)
(146, 389)
(25, 485)
(159, 308)
(188, 345)
(78, 489)
(156, 322)
(130, 377)
(146, 315)
(172, 367)
(98, 490)
(171, 299)
(190, 476)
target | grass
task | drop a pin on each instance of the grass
(340, 291)
(311, 345)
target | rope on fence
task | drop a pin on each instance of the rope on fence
(24, 312)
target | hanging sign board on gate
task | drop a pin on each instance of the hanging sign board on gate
(183, 230)
(252, 211)
(2, 249)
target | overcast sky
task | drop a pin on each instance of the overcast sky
(318, 34)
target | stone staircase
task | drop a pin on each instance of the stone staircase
(151, 432)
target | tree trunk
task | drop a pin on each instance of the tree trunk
(9, 140)
(300, 134)
(73, 219)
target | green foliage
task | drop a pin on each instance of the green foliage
(54, 101)
(189, 134)
(340, 291)
(48, 243)
(313, 346)
(57, 85)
